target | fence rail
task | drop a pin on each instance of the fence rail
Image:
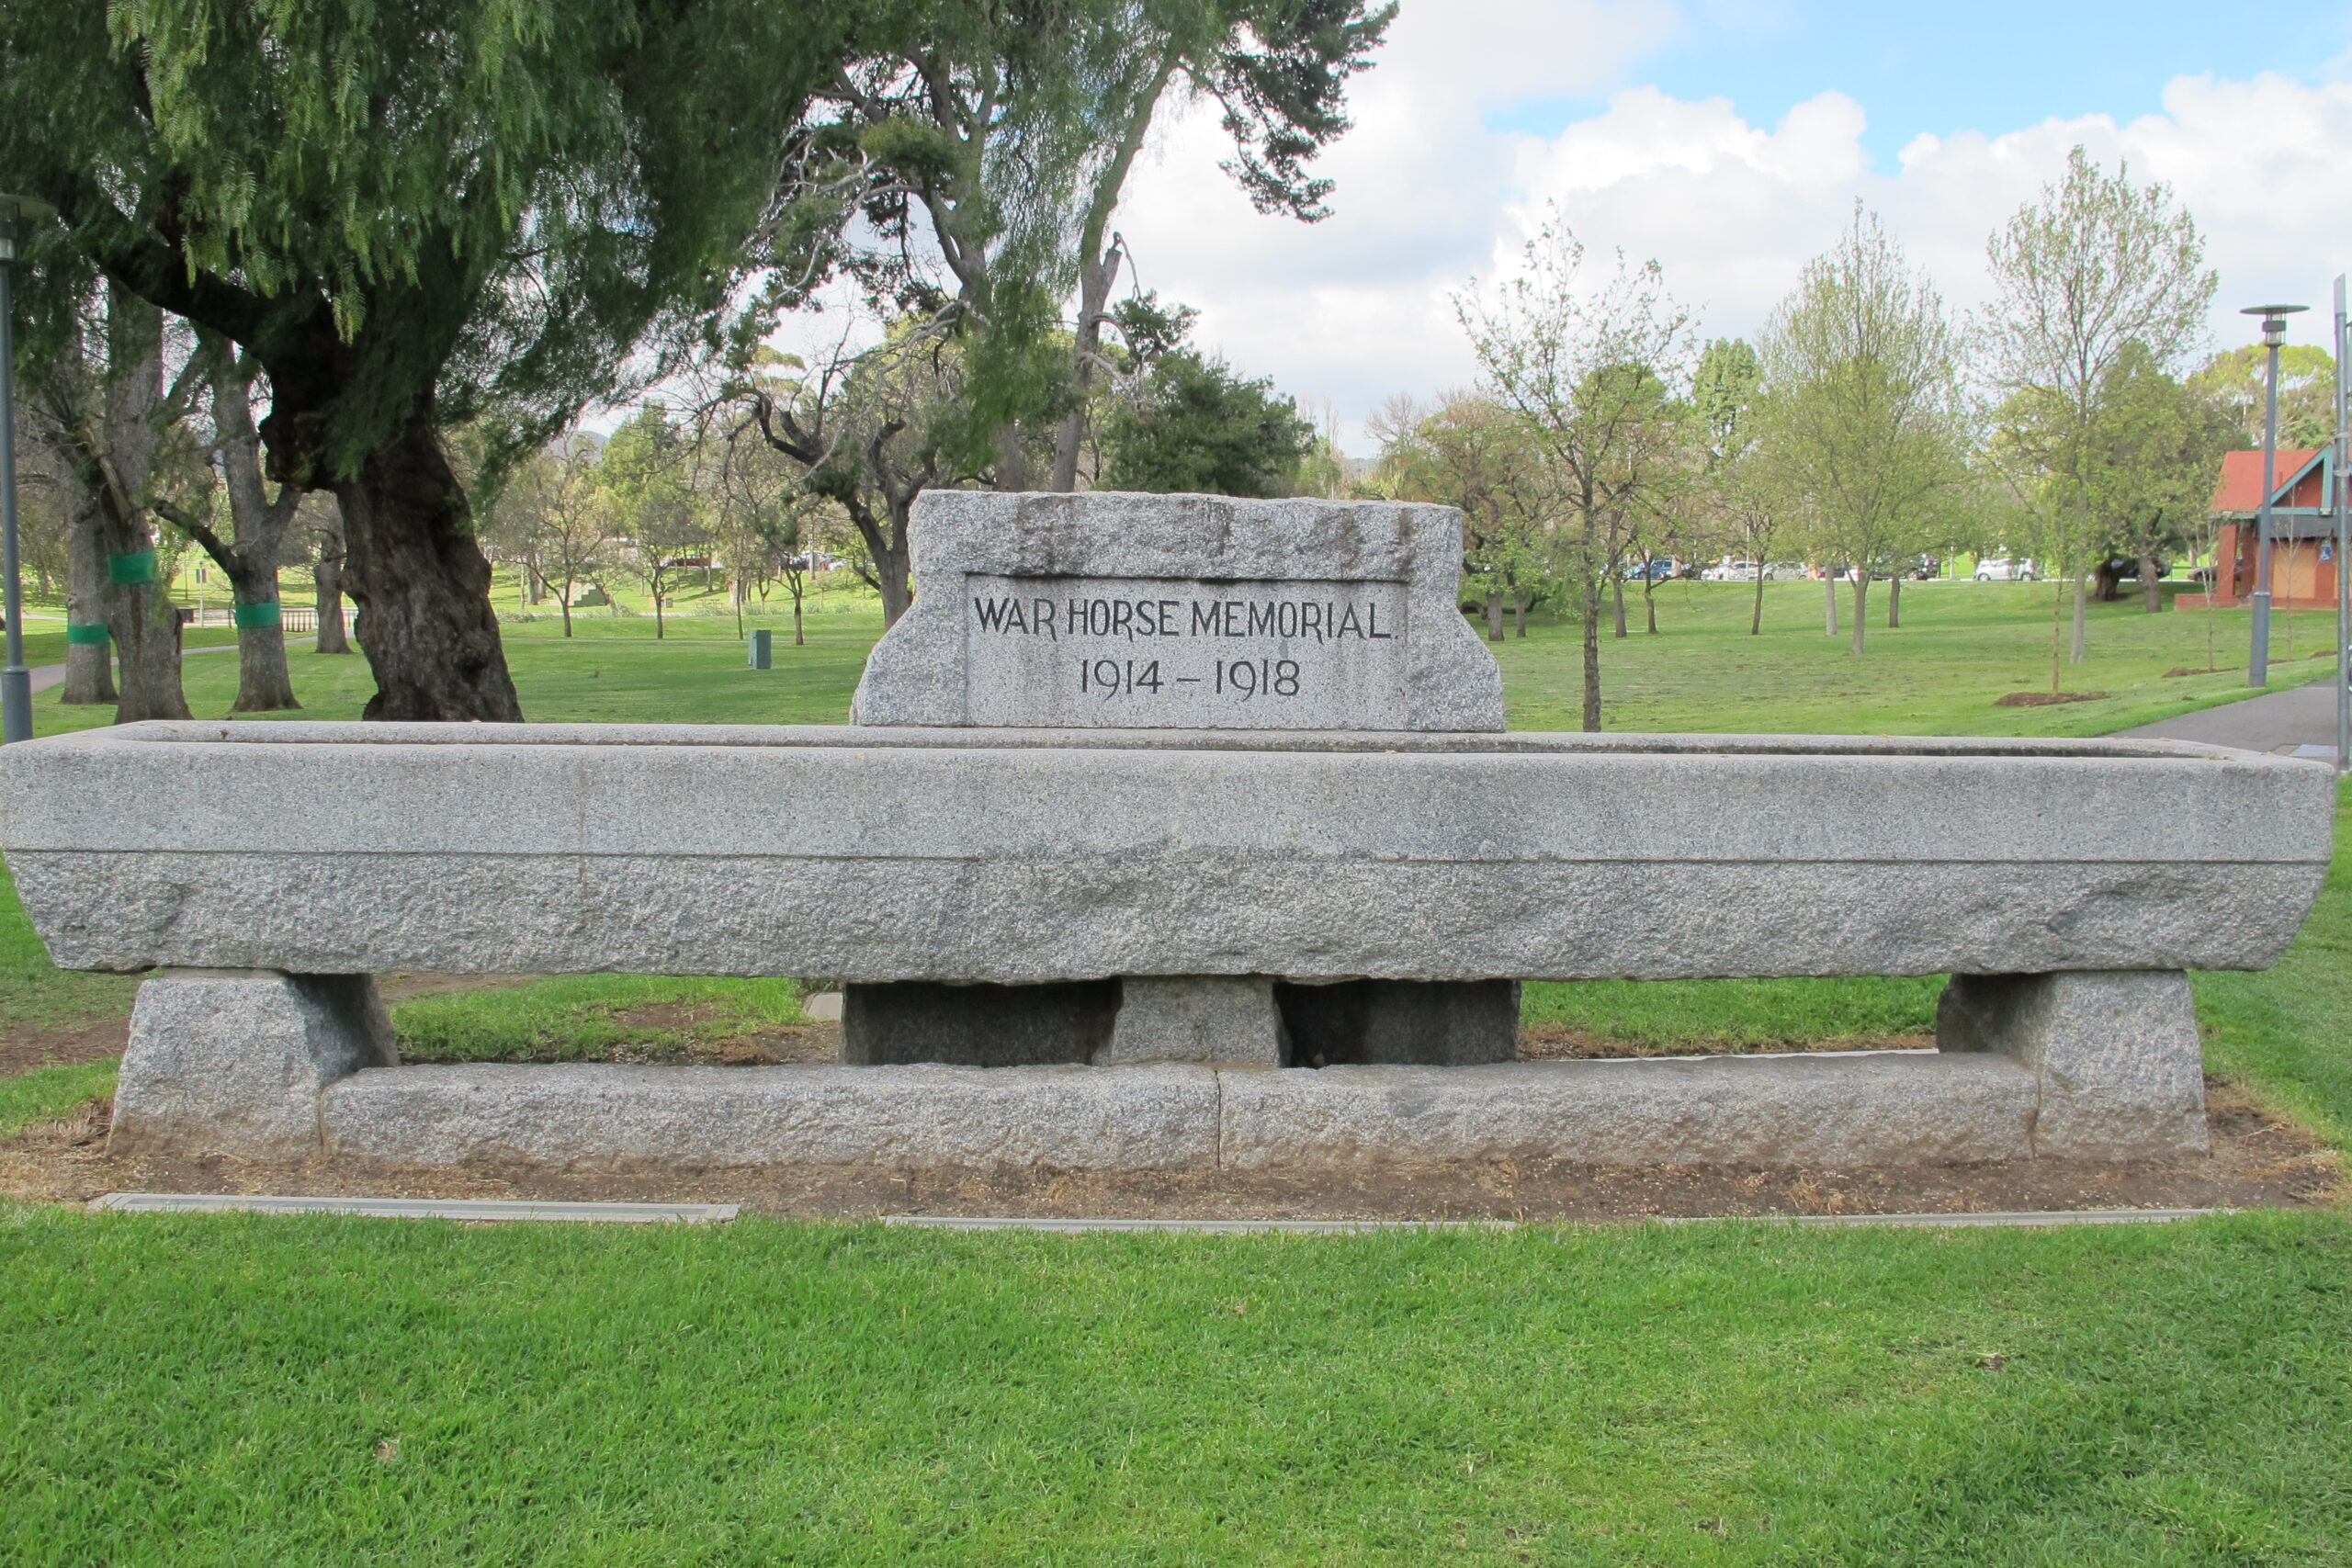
(292, 617)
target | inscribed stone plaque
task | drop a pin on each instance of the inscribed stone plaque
(1184, 612)
(1154, 653)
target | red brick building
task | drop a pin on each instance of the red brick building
(2303, 531)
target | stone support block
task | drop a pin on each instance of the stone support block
(976, 1025)
(1890, 1108)
(2115, 1055)
(578, 1117)
(1424, 1023)
(234, 1061)
(1230, 1021)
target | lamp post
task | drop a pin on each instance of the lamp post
(16, 681)
(2274, 333)
(2343, 499)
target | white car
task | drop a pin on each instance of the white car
(1730, 572)
(2002, 569)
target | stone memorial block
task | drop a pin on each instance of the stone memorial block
(1182, 612)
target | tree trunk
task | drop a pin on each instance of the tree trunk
(146, 628)
(1012, 459)
(1096, 276)
(1755, 616)
(139, 612)
(89, 644)
(1829, 604)
(1519, 608)
(799, 640)
(263, 683)
(326, 574)
(1617, 587)
(1494, 612)
(422, 588)
(1649, 598)
(887, 553)
(251, 564)
(2057, 613)
(2152, 592)
(1862, 602)
(1591, 656)
(2080, 647)
(658, 632)
(1894, 600)
(566, 602)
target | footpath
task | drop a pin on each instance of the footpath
(2298, 722)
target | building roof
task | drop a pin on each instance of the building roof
(2297, 477)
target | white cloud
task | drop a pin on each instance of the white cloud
(1357, 308)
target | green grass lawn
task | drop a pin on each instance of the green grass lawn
(242, 1389)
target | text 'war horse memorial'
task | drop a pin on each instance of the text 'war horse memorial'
(1170, 833)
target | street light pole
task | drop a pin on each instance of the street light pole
(2274, 333)
(2343, 499)
(16, 681)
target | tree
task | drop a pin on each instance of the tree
(2093, 267)
(769, 521)
(1475, 455)
(249, 556)
(1591, 373)
(558, 507)
(1860, 418)
(415, 215)
(1007, 131)
(870, 431)
(102, 408)
(2154, 451)
(643, 473)
(322, 520)
(1184, 421)
(1725, 392)
(2237, 379)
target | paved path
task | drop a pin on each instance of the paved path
(2299, 721)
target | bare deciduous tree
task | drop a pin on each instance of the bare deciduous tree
(1592, 374)
(2095, 267)
(1862, 421)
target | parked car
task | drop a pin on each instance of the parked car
(1785, 571)
(1730, 572)
(2004, 569)
(1658, 570)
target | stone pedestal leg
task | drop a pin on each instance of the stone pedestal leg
(233, 1061)
(898, 1023)
(1228, 1020)
(2116, 1054)
(1419, 1023)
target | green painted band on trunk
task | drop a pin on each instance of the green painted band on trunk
(130, 568)
(251, 616)
(88, 632)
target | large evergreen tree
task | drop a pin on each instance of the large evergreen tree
(414, 213)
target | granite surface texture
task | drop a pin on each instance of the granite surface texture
(2118, 1057)
(386, 849)
(230, 1063)
(1194, 1018)
(1856, 1109)
(1113, 610)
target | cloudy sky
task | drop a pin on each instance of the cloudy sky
(1729, 139)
